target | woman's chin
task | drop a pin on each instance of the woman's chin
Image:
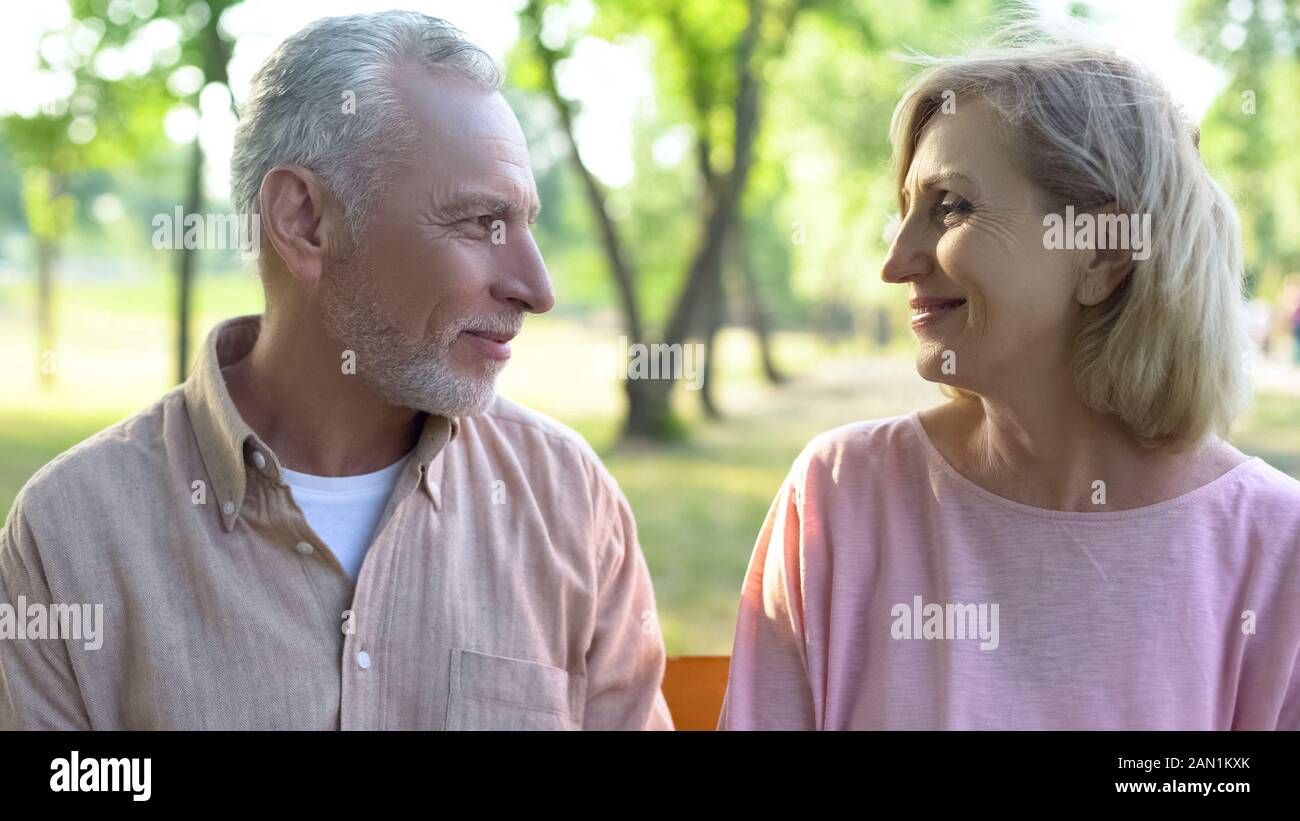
(934, 365)
(932, 370)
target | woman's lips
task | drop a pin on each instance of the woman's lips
(932, 311)
(493, 346)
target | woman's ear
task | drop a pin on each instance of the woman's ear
(300, 219)
(1104, 266)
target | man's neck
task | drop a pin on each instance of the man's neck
(293, 392)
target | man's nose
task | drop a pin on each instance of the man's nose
(523, 279)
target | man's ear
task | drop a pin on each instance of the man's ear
(1103, 268)
(300, 219)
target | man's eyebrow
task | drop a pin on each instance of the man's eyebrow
(484, 202)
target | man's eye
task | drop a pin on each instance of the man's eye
(479, 227)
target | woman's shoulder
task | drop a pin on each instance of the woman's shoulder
(1270, 492)
(863, 446)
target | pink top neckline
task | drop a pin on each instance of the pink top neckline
(936, 458)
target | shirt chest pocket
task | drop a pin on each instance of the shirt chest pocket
(498, 693)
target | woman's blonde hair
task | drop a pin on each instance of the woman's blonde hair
(1167, 351)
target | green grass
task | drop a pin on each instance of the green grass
(1272, 431)
(698, 503)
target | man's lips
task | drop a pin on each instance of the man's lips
(492, 344)
(926, 310)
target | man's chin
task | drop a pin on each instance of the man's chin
(437, 391)
(465, 399)
(476, 408)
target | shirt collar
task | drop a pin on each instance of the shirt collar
(226, 442)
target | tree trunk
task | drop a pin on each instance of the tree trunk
(650, 401)
(649, 412)
(707, 259)
(620, 265)
(715, 315)
(215, 60)
(758, 318)
(46, 254)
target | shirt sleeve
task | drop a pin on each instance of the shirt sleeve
(768, 687)
(38, 690)
(625, 661)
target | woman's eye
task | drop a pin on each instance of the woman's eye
(954, 206)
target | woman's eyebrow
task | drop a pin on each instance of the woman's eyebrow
(935, 180)
(940, 178)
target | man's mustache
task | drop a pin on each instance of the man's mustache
(502, 326)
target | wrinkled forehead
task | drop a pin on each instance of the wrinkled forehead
(968, 140)
(971, 148)
(462, 131)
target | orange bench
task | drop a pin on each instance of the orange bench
(693, 687)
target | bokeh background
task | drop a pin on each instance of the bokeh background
(730, 185)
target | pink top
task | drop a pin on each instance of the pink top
(887, 591)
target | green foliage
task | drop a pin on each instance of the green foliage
(49, 213)
(112, 120)
(830, 82)
(1249, 136)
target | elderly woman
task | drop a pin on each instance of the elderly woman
(1068, 542)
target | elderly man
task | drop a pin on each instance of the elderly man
(334, 523)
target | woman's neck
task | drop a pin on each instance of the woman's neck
(1064, 456)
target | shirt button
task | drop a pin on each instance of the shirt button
(304, 548)
(259, 459)
(363, 660)
(228, 508)
(433, 487)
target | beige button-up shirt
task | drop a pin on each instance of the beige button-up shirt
(505, 588)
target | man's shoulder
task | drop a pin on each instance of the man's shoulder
(537, 442)
(120, 459)
(517, 422)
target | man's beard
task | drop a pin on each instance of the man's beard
(418, 374)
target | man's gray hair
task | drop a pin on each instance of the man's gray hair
(326, 100)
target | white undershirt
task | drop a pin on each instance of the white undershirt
(345, 510)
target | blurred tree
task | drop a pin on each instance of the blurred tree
(199, 45)
(48, 158)
(718, 49)
(824, 173)
(1249, 134)
(99, 124)
(714, 89)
